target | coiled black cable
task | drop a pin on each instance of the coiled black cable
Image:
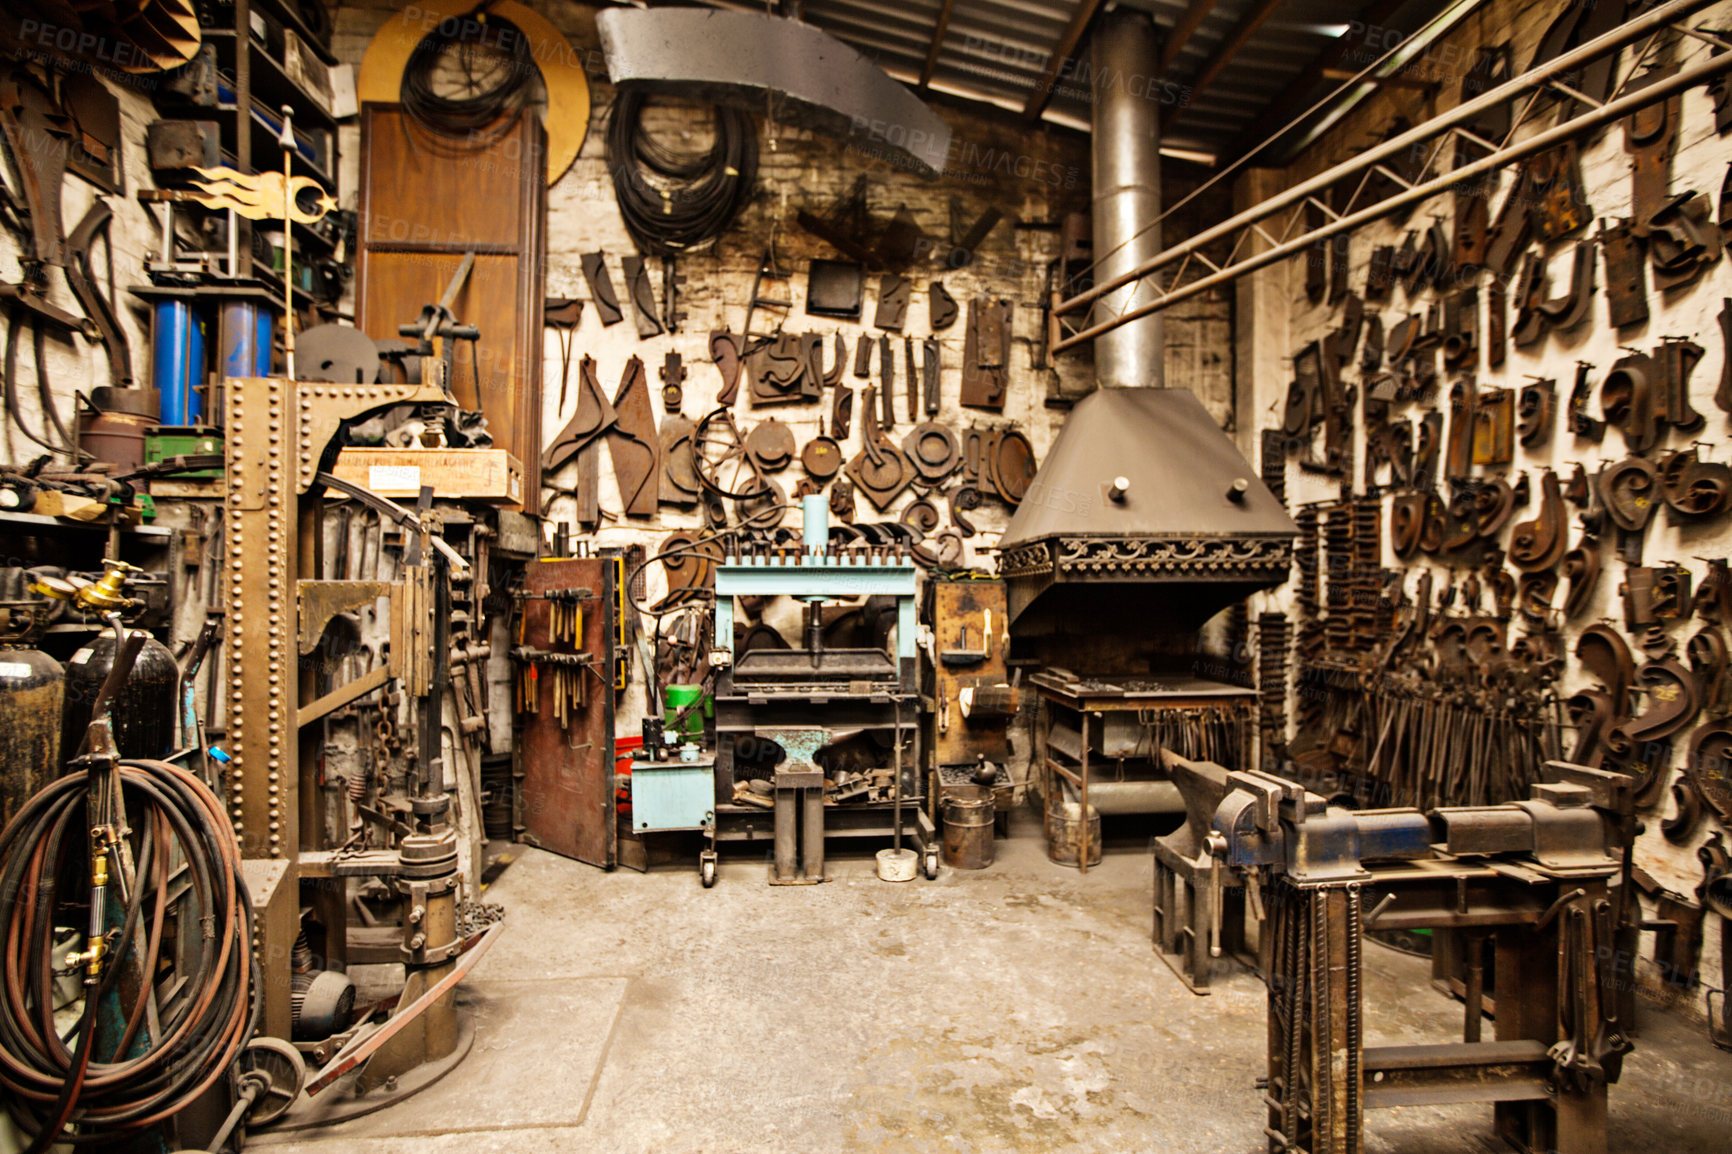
(491, 112)
(673, 202)
(200, 1032)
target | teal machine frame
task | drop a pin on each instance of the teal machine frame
(841, 692)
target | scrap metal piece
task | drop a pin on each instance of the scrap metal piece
(915, 379)
(1708, 765)
(1627, 493)
(1496, 323)
(941, 306)
(1694, 489)
(1626, 275)
(962, 499)
(744, 59)
(768, 270)
(601, 288)
(821, 458)
(835, 288)
(340, 354)
(842, 501)
(1463, 401)
(880, 469)
(929, 378)
(777, 370)
(894, 293)
(643, 298)
(863, 358)
(673, 289)
(1558, 201)
(1683, 240)
(1494, 427)
(634, 444)
(1632, 398)
(842, 408)
(37, 133)
(986, 354)
(1650, 137)
(1570, 310)
(887, 384)
(935, 450)
(679, 479)
(1677, 358)
(770, 445)
(725, 352)
(1536, 407)
(1539, 543)
(1723, 394)
(673, 373)
(1581, 568)
(833, 375)
(594, 416)
(1581, 394)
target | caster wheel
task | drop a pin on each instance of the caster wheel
(281, 1074)
(707, 872)
(930, 866)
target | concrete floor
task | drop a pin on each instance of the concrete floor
(1017, 1008)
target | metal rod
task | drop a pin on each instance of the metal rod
(1605, 114)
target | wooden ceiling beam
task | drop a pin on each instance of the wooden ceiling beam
(1061, 52)
(1183, 31)
(1279, 112)
(1230, 47)
(937, 45)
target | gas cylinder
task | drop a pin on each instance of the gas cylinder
(143, 711)
(32, 692)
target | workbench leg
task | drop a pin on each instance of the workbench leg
(813, 855)
(787, 831)
(1083, 834)
(1202, 909)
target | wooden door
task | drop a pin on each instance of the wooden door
(425, 202)
(565, 770)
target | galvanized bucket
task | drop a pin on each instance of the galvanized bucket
(1064, 826)
(967, 812)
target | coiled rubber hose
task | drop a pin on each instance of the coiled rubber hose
(44, 879)
(673, 203)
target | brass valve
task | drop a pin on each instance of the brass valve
(105, 594)
(91, 960)
(108, 593)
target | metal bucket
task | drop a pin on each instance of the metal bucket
(967, 812)
(1064, 833)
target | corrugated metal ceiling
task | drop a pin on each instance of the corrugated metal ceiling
(1257, 60)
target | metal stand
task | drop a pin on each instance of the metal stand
(1535, 875)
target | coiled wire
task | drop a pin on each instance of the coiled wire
(492, 111)
(674, 202)
(43, 851)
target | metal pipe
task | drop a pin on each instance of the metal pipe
(1126, 174)
(1109, 281)
(1606, 114)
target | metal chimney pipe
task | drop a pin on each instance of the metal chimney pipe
(1126, 169)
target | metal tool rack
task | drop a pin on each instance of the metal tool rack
(776, 695)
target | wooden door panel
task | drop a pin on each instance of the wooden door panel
(567, 770)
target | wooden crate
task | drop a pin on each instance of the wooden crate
(491, 475)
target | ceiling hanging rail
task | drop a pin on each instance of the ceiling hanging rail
(1441, 129)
